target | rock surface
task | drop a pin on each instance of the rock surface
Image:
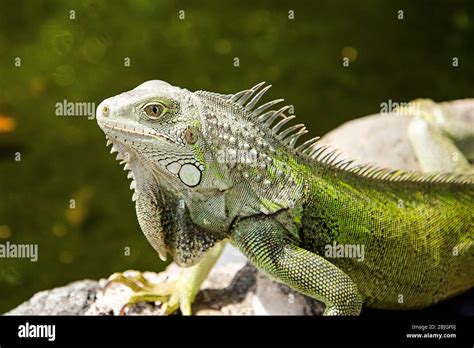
(232, 288)
(383, 138)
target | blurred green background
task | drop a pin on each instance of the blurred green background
(82, 60)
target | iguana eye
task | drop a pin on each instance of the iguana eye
(155, 110)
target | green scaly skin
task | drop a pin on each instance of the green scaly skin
(209, 168)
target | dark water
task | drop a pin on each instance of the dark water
(82, 60)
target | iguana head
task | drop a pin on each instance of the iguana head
(199, 160)
(158, 125)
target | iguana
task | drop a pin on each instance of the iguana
(208, 168)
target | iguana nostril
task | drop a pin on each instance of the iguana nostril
(105, 110)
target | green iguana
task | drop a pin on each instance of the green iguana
(208, 168)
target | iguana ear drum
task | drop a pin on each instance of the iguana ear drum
(190, 135)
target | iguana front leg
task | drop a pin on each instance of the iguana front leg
(266, 244)
(173, 295)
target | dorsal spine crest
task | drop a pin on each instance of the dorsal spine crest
(245, 102)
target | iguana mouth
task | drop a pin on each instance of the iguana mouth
(122, 127)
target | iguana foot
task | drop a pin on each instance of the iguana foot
(172, 295)
(435, 135)
(179, 293)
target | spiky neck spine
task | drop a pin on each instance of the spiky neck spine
(249, 154)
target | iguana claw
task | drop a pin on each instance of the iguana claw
(172, 295)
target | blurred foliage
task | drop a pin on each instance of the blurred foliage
(82, 59)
